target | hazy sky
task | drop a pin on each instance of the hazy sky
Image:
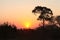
(19, 12)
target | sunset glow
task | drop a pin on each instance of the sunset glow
(19, 12)
(27, 25)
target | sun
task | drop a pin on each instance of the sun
(27, 25)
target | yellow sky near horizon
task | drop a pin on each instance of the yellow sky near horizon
(19, 12)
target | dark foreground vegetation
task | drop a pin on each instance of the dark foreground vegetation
(10, 32)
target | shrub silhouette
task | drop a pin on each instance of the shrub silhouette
(7, 31)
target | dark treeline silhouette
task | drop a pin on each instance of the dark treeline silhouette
(10, 32)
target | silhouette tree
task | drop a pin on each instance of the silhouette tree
(45, 13)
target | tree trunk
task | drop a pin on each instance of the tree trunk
(43, 22)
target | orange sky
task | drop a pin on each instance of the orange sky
(19, 12)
